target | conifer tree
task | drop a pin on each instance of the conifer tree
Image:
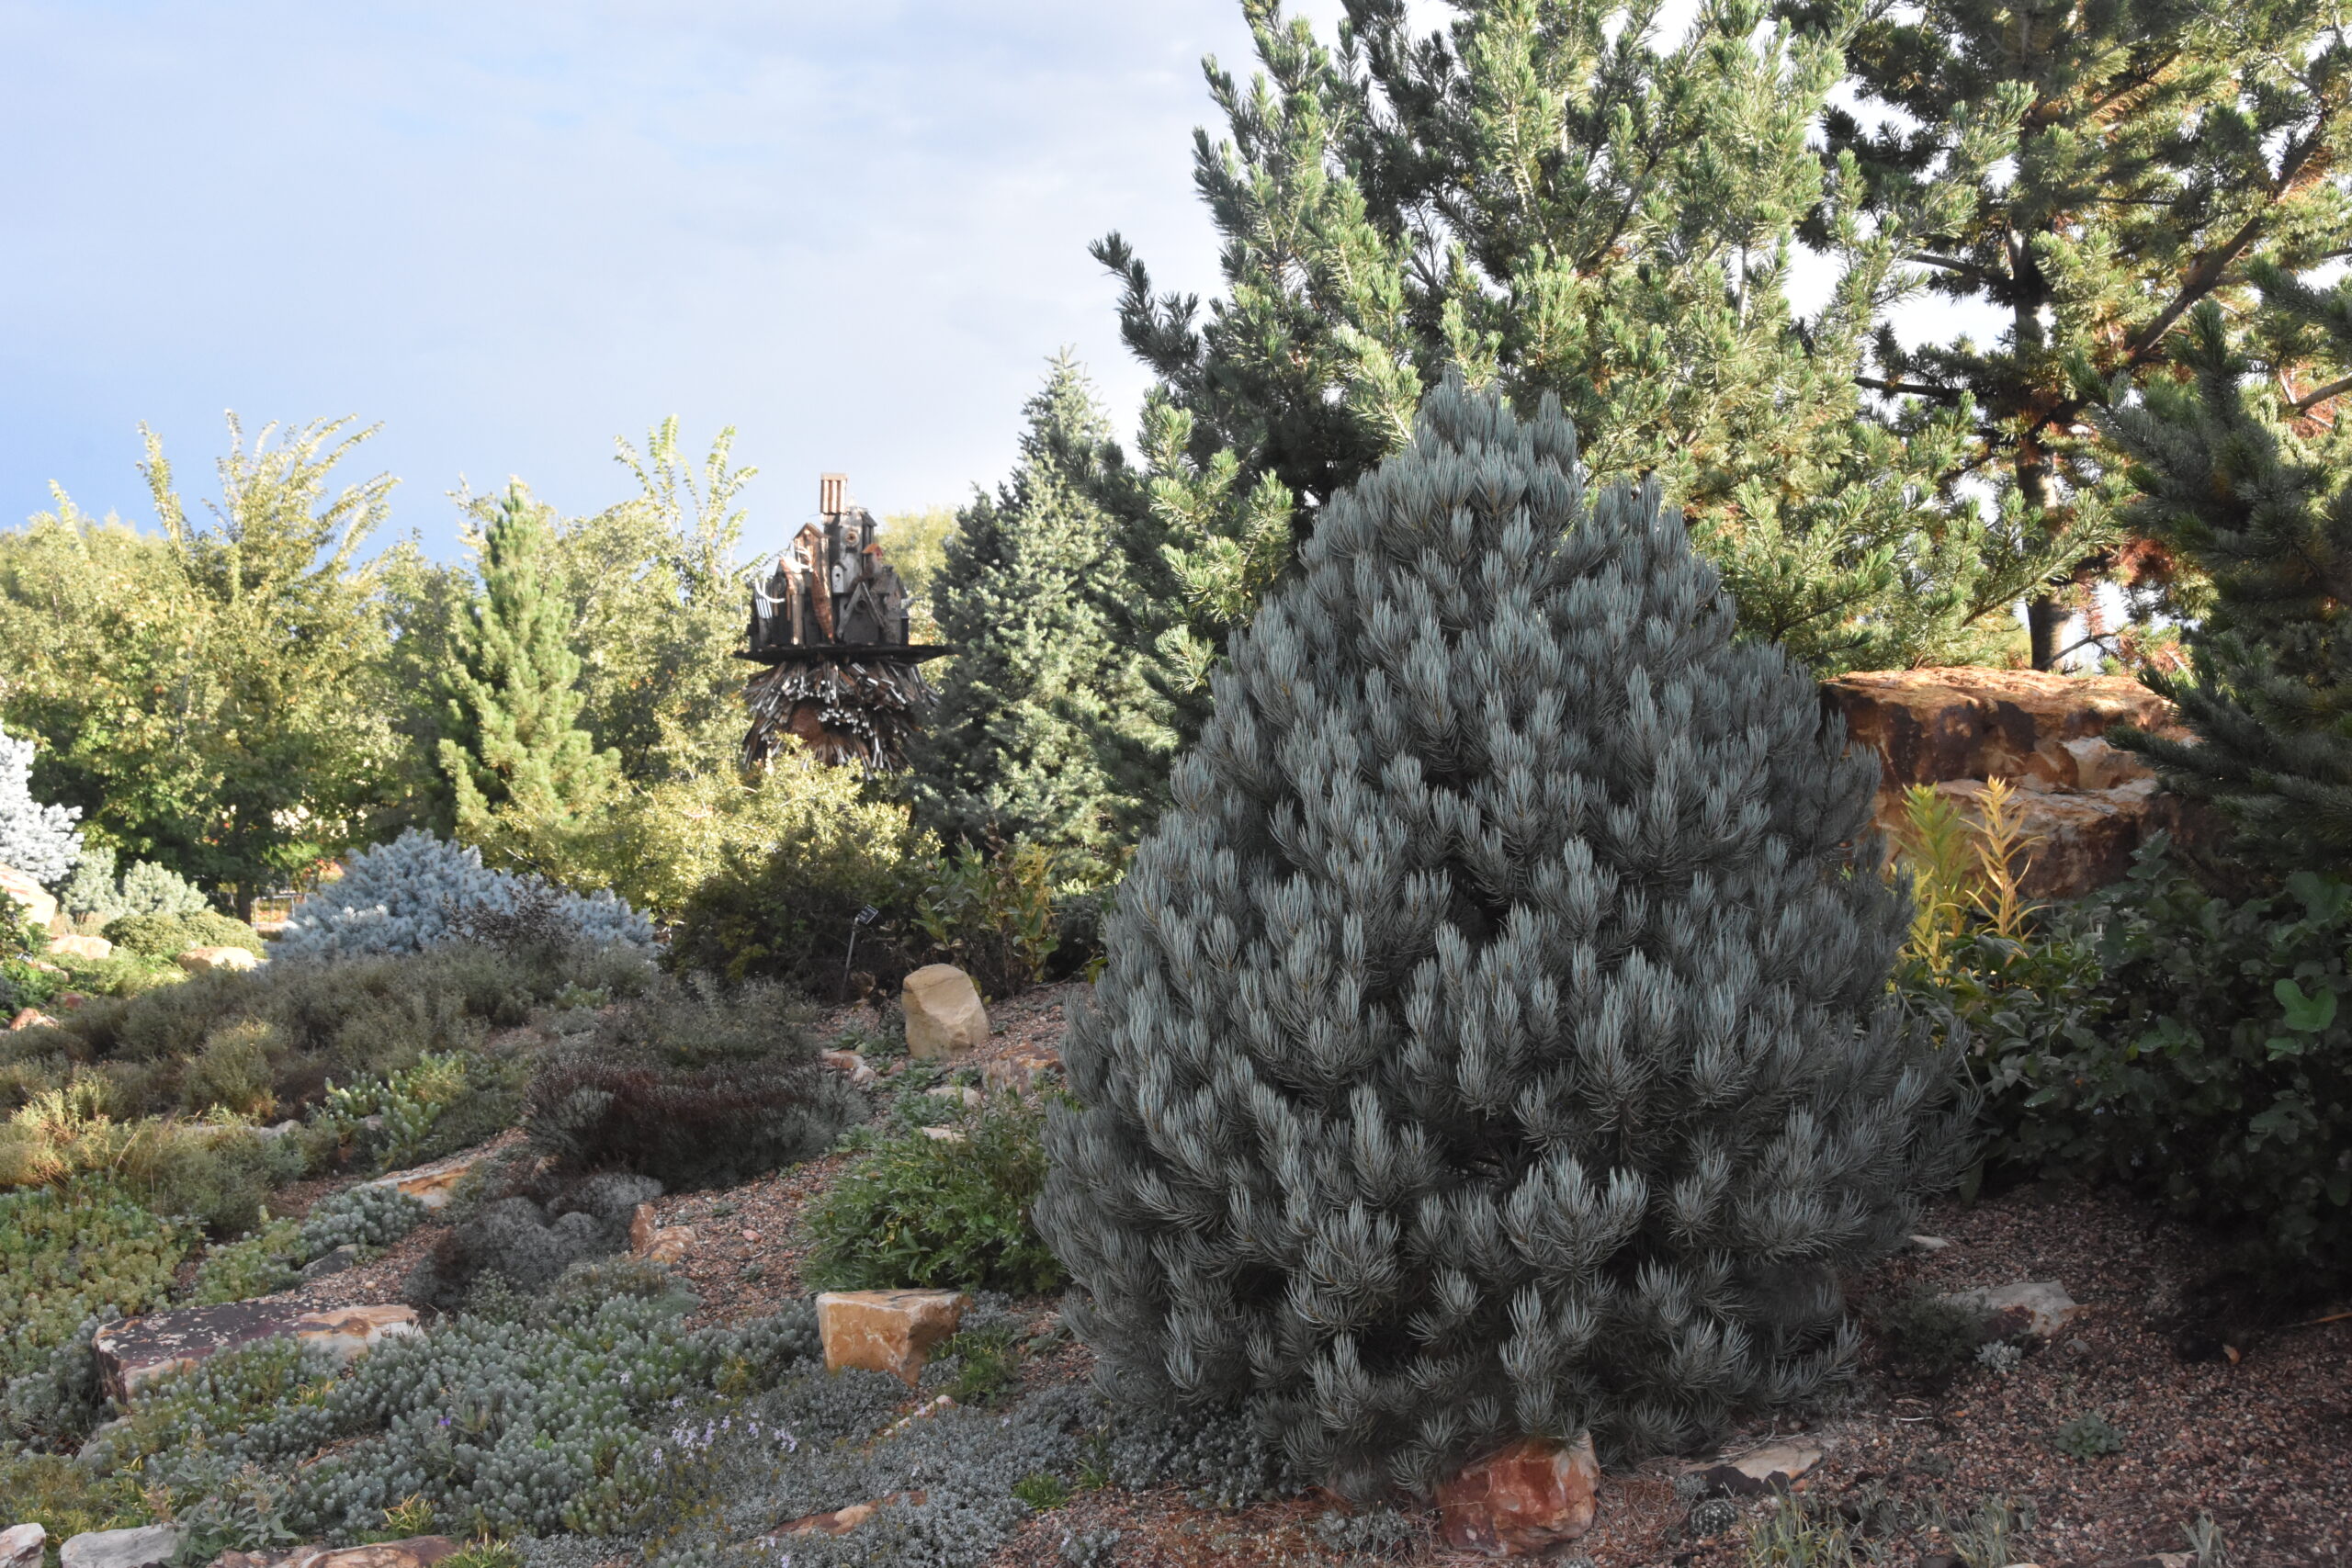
(1496, 1037)
(2246, 469)
(2147, 154)
(1043, 719)
(525, 775)
(39, 841)
(1550, 199)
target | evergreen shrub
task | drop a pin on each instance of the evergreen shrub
(693, 1085)
(359, 1216)
(260, 1264)
(2202, 1058)
(524, 1241)
(1496, 1036)
(914, 1211)
(420, 891)
(168, 936)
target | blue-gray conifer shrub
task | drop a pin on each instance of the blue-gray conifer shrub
(1496, 1037)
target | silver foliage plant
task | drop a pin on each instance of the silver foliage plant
(420, 891)
(1496, 1038)
(39, 841)
(143, 888)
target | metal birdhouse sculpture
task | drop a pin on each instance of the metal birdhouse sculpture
(829, 622)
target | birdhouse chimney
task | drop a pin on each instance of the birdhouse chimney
(829, 497)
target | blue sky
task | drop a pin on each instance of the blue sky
(511, 231)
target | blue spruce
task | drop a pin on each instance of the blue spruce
(1496, 1038)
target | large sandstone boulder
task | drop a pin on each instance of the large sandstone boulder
(81, 946)
(136, 1352)
(21, 1546)
(1928, 726)
(35, 902)
(2086, 806)
(886, 1331)
(943, 1011)
(1527, 1501)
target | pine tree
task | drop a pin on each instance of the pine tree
(1549, 199)
(527, 776)
(39, 841)
(2147, 152)
(1045, 724)
(1496, 1036)
(2246, 469)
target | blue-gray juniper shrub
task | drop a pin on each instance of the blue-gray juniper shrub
(1496, 1037)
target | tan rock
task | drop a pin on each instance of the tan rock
(886, 1331)
(2036, 1309)
(21, 1546)
(81, 946)
(643, 1224)
(32, 1017)
(958, 1093)
(434, 1185)
(135, 1351)
(1928, 726)
(861, 1071)
(40, 904)
(841, 1521)
(416, 1551)
(1767, 1469)
(1533, 1496)
(944, 1135)
(944, 1012)
(1023, 1073)
(204, 960)
(671, 1244)
(2099, 765)
(144, 1546)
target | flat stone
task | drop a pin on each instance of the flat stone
(21, 1546)
(81, 946)
(335, 1262)
(136, 1352)
(841, 1521)
(149, 1546)
(944, 1135)
(861, 1071)
(31, 1018)
(204, 960)
(886, 1331)
(434, 1185)
(2036, 1309)
(1929, 1243)
(416, 1551)
(944, 1012)
(957, 1093)
(1531, 1497)
(1765, 1470)
(671, 1246)
(1023, 1073)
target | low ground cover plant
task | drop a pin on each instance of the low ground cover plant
(67, 1253)
(693, 1084)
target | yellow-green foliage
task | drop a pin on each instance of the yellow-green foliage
(216, 1169)
(993, 913)
(260, 1265)
(1967, 878)
(783, 882)
(64, 1253)
(65, 1499)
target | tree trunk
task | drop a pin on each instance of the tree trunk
(2044, 617)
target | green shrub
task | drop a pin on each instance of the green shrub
(1929, 1338)
(992, 914)
(168, 936)
(65, 1253)
(344, 1020)
(693, 1086)
(64, 1497)
(525, 1242)
(443, 1102)
(785, 911)
(217, 1174)
(2087, 1436)
(918, 1210)
(2204, 1059)
(261, 1265)
(359, 1216)
(58, 1400)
